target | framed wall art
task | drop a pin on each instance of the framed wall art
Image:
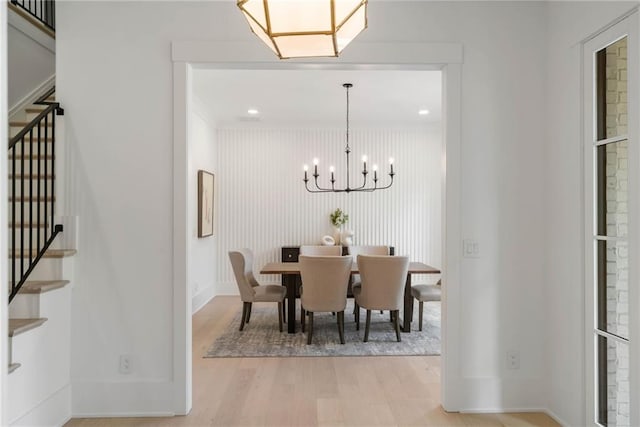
(205, 203)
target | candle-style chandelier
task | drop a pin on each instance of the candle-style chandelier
(365, 172)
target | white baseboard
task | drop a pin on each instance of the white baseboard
(495, 394)
(53, 411)
(93, 399)
(203, 297)
(27, 28)
(556, 417)
(32, 96)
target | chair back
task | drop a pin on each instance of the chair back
(354, 251)
(242, 263)
(383, 281)
(317, 250)
(324, 282)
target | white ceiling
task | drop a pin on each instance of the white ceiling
(379, 98)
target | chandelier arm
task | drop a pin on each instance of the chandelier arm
(387, 186)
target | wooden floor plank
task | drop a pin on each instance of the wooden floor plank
(311, 391)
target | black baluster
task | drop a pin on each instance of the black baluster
(31, 195)
(46, 161)
(13, 218)
(39, 191)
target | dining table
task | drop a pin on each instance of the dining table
(291, 269)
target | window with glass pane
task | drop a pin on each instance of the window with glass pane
(612, 90)
(612, 221)
(615, 357)
(613, 307)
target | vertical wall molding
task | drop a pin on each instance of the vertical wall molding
(263, 204)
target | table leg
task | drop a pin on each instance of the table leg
(408, 306)
(290, 282)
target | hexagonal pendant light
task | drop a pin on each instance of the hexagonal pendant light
(305, 28)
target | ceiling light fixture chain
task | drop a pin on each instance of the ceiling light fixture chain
(332, 180)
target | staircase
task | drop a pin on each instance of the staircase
(39, 301)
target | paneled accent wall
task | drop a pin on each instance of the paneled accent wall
(262, 203)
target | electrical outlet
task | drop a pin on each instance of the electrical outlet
(513, 359)
(125, 364)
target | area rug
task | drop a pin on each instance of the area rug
(261, 337)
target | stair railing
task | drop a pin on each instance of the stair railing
(42, 10)
(32, 188)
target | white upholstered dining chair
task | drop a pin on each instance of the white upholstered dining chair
(324, 288)
(354, 251)
(426, 293)
(250, 290)
(383, 280)
(319, 250)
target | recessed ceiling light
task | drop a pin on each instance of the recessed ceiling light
(423, 112)
(252, 111)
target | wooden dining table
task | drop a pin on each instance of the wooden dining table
(291, 269)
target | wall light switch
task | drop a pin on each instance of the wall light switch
(470, 248)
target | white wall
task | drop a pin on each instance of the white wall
(31, 62)
(119, 53)
(203, 262)
(264, 206)
(568, 24)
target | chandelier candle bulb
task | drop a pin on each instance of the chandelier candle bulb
(364, 162)
(305, 168)
(391, 164)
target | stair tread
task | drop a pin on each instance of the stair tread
(23, 124)
(27, 225)
(19, 326)
(29, 156)
(13, 367)
(34, 110)
(35, 138)
(31, 176)
(32, 199)
(50, 253)
(42, 286)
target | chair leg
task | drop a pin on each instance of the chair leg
(303, 315)
(366, 327)
(341, 326)
(280, 316)
(420, 315)
(357, 310)
(396, 315)
(249, 312)
(310, 333)
(245, 306)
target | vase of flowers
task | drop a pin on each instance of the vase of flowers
(338, 218)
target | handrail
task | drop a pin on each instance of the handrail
(42, 10)
(32, 185)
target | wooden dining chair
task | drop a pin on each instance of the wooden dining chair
(426, 293)
(250, 290)
(383, 280)
(324, 288)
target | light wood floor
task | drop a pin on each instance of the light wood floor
(311, 391)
